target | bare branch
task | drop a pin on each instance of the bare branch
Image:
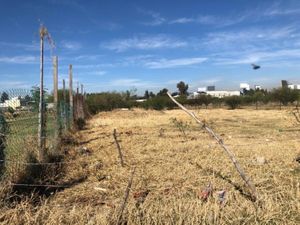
(230, 154)
(123, 205)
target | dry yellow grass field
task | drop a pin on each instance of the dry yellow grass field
(174, 168)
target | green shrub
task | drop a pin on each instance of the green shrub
(158, 103)
(108, 101)
(10, 110)
(233, 101)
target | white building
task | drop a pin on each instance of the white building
(245, 86)
(13, 103)
(294, 86)
(222, 94)
(202, 89)
(257, 87)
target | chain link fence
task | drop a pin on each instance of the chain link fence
(19, 126)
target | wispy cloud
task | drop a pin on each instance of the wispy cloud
(93, 73)
(156, 18)
(23, 46)
(144, 43)
(89, 57)
(279, 9)
(132, 83)
(71, 45)
(14, 85)
(269, 56)
(172, 63)
(19, 59)
(210, 20)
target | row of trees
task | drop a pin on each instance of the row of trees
(111, 100)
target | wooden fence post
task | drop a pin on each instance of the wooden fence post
(65, 105)
(41, 127)
(55, 98)
(71, 104)
(81, 103)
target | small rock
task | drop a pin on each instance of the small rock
(84, 151)
(260, 160)
(221, 196)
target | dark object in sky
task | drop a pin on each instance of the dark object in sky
(255, 67)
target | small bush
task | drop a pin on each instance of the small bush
(233, 101)
(158, 103)
(10, 110)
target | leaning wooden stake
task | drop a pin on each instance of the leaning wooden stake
(230, 154)
(118, 147)
(123, 205)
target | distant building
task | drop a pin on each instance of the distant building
(211, 88)
(294, 86)
(245, 86)
(257, 87)
(13, 103)
(284, 83)
(202, 89)
(222, 94)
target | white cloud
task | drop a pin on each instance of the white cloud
(171, 63)
(269, 56)
(71, 45)
(19, 59)
(144, 43)
(25, 47)
(278, 9)
(157, 19)
(94, 73)
(182, 20)
(14, 85)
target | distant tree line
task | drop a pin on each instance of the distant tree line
(107, 101)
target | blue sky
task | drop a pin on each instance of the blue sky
(120, 45)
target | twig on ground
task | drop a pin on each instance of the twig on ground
(118, 147)
(123, 205)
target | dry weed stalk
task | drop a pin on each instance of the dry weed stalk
(230, 154)
(123, 205)
(118, 147)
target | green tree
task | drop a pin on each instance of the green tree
(258, 97)
(4, 97)
(285, 95)
(146, 95)
(182, 88)
(163, 92)
(151, 94)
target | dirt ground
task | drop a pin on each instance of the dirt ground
(175, 162)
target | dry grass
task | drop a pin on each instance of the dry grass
(175, 169)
